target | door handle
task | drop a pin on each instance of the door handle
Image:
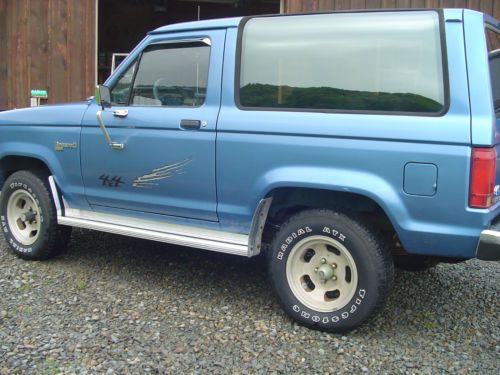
(120, 113)
(190, 124)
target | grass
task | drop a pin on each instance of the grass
(80, 284)
(51, 366)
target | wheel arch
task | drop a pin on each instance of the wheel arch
(10, 164)
(293, 189)
(357, 184)
(287, 201)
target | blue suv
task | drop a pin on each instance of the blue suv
(338, 145)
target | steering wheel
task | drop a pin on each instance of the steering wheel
(156, 88)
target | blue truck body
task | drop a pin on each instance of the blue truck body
(413, 171)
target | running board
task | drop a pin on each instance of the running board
(231, 243)
(184, 235)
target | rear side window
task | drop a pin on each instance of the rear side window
(493, 42)
(380, 61)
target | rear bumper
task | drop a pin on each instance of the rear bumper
(488, 247)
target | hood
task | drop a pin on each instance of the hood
(68, 114)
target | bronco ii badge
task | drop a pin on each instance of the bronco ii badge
(60, 146)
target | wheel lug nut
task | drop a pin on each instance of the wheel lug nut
(334, 265)
(323, 261)
(334, 278)
(316, 270)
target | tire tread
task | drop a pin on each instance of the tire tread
(384, 266)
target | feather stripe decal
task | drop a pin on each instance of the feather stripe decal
(152, 178)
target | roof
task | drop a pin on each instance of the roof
(196, 25)
(235, 21)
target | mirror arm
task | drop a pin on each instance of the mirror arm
(113, 145)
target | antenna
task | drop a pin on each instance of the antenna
(199, 11)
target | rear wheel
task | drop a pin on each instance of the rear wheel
(28, 217)
(329, 271)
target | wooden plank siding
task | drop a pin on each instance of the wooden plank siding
(491, 7)
(3, 55)
(47, 45)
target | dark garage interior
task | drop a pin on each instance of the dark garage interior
(123, 23)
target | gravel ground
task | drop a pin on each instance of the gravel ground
(113, 304)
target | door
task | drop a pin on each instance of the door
(164, 111)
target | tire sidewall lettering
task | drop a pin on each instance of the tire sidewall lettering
(302, 231)
(332, 318)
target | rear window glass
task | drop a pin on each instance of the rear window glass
(380, 61)
(493, 43)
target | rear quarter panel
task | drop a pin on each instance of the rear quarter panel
(258, 151)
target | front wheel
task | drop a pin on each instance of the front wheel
(329, 271)
(28, 217)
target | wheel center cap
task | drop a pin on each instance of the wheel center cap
(29, 216)
(325, 272)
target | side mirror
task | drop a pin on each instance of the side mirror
(103, 96)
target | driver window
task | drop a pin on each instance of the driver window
(121, 91)
(172, 75)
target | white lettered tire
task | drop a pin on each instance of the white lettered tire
(28, 217)
(329, 271)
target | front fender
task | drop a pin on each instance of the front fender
(63, 165)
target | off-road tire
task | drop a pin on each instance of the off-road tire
(364, 268)
(27, 193)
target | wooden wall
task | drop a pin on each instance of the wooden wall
(47, 45)
(491, 7)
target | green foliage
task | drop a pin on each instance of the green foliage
(271, 96)
(80, 284)
(51, 366)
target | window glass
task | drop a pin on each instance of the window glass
(380, 61)
(121, 91)
(493, 42)
(172, 75)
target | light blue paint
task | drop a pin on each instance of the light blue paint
(420, 179)
(241, 156)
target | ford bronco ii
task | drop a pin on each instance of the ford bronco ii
(337, 145)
